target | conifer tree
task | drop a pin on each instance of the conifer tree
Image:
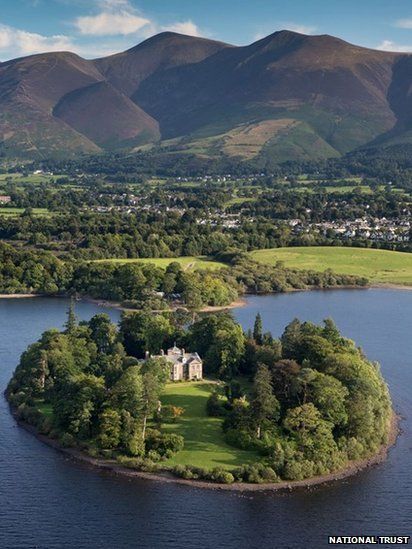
(71, 321)
(258, 330)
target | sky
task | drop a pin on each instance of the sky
(95, 28)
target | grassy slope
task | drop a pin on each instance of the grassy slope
(377, 265)
(204, 442)
(189, 262)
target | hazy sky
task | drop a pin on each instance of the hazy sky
(98, 27)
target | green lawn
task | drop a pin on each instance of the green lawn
(239, 200)
(204, 441)
(13, 212)
(188, 263)
(334, 190)
(28, 179)
(378, 265)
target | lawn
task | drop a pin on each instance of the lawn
(13, 212)
(379, 266)
(204, 441)
(28, 179)
(188, 263)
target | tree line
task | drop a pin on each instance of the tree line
(144, 285)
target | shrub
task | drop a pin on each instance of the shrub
(213, 406)
(183, 471)
(256, 473)
(221, 475)
(240, 439)
(140, 464)
(67, 440)
(353, 448)
(163, 443)
(46, 425)
(299, 470)
(29, 414)
(170, 413)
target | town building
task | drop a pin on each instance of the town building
(183, 366)
(5, 199)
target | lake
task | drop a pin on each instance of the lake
(48, 501)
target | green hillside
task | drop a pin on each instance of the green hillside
(379, 266)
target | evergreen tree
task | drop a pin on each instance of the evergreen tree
(71, 321)
(258, 330)
(264, 406)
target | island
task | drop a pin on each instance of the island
(191, 398)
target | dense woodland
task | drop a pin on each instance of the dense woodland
(307, 403)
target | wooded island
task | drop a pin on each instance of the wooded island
(268, 410)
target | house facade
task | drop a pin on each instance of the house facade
(183, 366)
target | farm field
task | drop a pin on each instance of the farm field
(13, 212)
(188, 262)
(379, 266)
(205, 445)
(25, 179)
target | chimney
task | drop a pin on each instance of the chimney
(183, 352)
(162, 352)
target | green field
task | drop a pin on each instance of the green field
(188, 262)
(379, 266)
(239, 200)
(28, 179)
(205, 445)
(13, 212)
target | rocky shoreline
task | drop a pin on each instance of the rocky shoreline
(113, 467)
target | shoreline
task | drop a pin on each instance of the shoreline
(112, 467)
(21, 296)
(241, 301)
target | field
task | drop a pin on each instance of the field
(14, 212)
(26, 179)
(379, 266)
(188, 263)
(204, 441)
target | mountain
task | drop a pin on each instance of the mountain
(287, 96)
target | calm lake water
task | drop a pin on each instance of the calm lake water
(47, 501)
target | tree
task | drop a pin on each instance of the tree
(313, 434)
(285, 382)
(127, 393)
(327, 393)
(264, 405)
(110, 429)
(221, 343)
(157, 332)
(76, 404)
(103, 332)
(258, 330)
(150, 397)
(331, 332)
(132, 331)
(71, 321)
(290, 339)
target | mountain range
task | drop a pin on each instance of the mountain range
(287, 96)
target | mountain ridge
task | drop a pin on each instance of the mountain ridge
(287, 96)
